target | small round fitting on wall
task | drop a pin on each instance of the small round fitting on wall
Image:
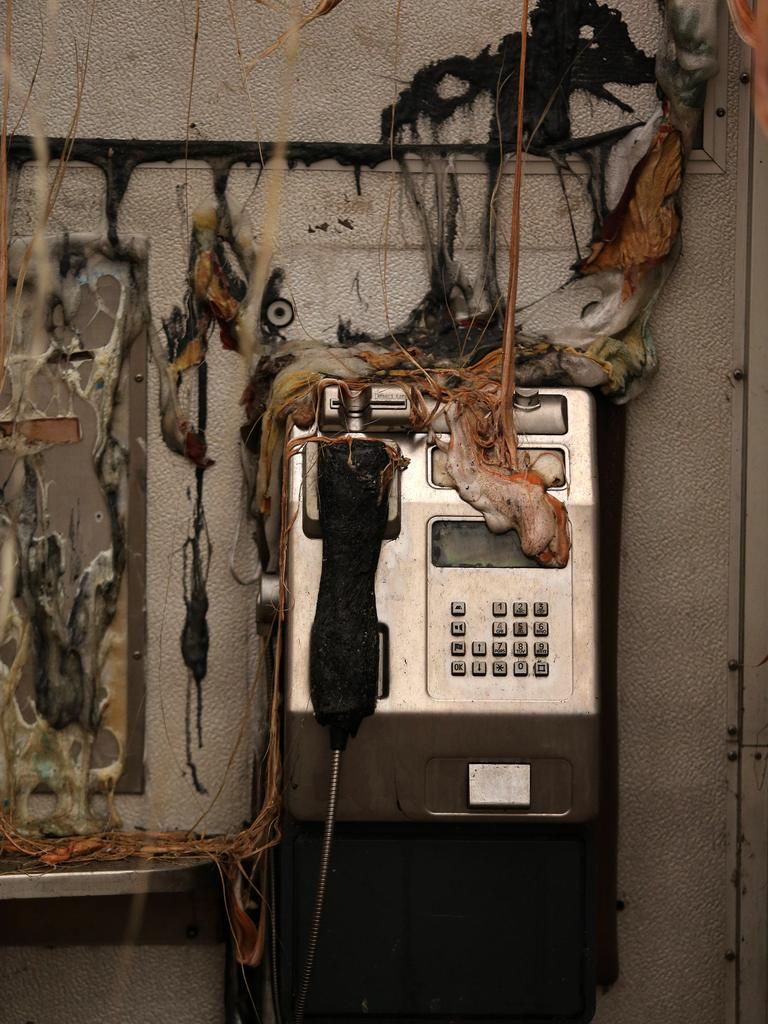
(279, 313)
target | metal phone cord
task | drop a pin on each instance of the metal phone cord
(322, 881)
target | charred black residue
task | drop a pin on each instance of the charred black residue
(183, 328)
(573, 44)
(195, 635)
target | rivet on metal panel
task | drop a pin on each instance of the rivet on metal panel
(733, 664)
(738, 373)
(733, 730)
(138, 377)
(720, 111)
(733, 755)
(136, 655)
(745, 78)
(730, 955)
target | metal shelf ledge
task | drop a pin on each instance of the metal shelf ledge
(19, 880)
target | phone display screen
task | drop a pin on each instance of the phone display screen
(469, 544)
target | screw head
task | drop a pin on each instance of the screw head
(720, 111)
(738, 373)
(138, 377)
(733, 664)
(732, 755)
(730, 955)
(733, 730)
(744, 77)
(136, 655)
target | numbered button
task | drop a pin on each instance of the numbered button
(458, 608)
(499, 649)
(499, 629)
(540, 608)
(540, 668)
(478, 649)
(458, 668)
(458, 628)
(479, 668)
(499, 608)
(458, 648)
(541, 649)
(520, 649)
(520, 608)
(541, 629)
(520, 628)
(521, 668)
(499, 668)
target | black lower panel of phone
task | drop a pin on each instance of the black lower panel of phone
(442, 924)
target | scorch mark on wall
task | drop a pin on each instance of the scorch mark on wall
(63, 657)
(592, 330)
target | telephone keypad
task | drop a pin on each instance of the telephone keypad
(500, 611)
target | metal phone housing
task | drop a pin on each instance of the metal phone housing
(518, 743)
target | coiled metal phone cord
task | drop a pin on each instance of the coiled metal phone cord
(322, 881)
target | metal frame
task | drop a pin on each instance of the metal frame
(732, 671)
(748, 693)
(132, 779)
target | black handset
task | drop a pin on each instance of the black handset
(353, 481)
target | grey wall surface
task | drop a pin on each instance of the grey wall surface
(672, 872)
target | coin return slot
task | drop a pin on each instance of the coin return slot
(499, 785)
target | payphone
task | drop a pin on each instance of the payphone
(463, 867)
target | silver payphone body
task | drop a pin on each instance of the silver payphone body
(488, 693)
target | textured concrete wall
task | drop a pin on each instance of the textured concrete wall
(674, 590)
